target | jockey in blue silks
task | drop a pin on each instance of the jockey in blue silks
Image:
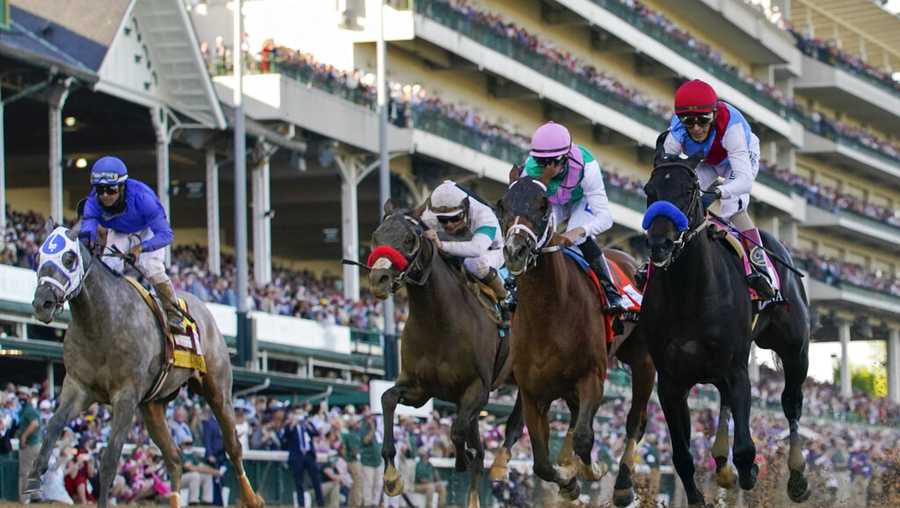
(133, 220)
(702, 124)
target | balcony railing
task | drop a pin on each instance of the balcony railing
(824, 129)
(442, 13)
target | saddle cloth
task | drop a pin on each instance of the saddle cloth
(729, 239)
(181, 350)
(622, 283)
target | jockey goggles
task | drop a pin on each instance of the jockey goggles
(451, 219)
(702, 119)
(111, 190)
(546, 161)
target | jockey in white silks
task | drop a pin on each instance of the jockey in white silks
(577, 198)
(704, 124)
(472, 233)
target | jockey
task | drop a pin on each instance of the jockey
(133, 220)
(577, 194)
(704, 124)
(474, 230)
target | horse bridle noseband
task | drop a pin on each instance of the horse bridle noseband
(685, 236)
(539, 243)
(415, 260)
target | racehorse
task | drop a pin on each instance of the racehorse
(113, 351)
(698, 309)
(559, 342)
(450, 348)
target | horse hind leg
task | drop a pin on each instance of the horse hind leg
(123, 408)
(514, 430)
(217, 394)
(643, 377)
(154, 414)
(73, 400)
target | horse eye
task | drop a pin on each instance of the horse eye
(68, 260)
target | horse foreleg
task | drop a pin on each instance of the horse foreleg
(539, 432)
(218, 396)
(154, 414)
(743, 451)
(72, 401)
(124, 405)
(643, 376)
(514, 429)
(590, 395)
(673, 400)
(476, 466)
(393, 483)
(725, 476)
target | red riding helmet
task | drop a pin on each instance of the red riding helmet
(695, 96)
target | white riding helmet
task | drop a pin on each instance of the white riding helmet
(448, 200)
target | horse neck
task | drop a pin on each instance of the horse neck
(95, 299)
(425, 300)
(549, 277)
(693, 270)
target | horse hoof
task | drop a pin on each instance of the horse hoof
(797, 487)
(499, 473)
(623, 497)
(571, 490)
(593, 472)
(747, 478)
(566, 473)
(726, 477)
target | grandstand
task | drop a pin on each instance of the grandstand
(150, 81)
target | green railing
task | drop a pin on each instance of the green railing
(865, 291)
(629, 199)
(634, 18)
(442, 126)
(822, 55)
(442, 13)
(771, 180)
(828, 132)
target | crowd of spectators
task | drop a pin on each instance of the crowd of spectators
(836, 273)
(842, 453)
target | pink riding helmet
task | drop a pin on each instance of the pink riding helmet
(551, 140)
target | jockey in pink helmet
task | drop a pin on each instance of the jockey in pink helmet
(577, 198)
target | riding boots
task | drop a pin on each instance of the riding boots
(759, 279)
(495, 282)
(166, 293)
(616, 303)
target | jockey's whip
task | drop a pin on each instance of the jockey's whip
(775, 257)
(355, 263)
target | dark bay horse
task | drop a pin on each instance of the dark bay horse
(559, 343)
(449, 346)
(698, 309)
(113, 351)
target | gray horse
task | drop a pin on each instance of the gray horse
(113, 351)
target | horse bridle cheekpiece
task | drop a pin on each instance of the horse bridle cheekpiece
(385, 257)
(676, 215)
(63, 256)
(539, 242)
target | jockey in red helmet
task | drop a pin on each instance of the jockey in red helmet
(704, 124)
(577, 198)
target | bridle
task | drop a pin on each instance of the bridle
(415, 272)
(84, 266)
(539, 243)
(687, 234)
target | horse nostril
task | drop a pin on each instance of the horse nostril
(47, 305)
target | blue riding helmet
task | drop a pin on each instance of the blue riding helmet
(109, 170)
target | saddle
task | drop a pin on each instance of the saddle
(727, 238)
(184, 351)
(623, 284)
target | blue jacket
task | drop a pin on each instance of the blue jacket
(290, 440)
(142, 210)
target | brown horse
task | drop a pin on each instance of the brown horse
(559, 345)
(449, 347)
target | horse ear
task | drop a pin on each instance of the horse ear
(389, 207)
(49, 225)
(74, 231)
(660, 147)
(419, 210)
(514, 173)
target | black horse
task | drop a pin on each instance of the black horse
(698, 308)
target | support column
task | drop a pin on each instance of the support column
(788, 233)
(774, 227)
(844, 336)
(213, 238)
(2, 166)
(51, 383)
(349, 167)
(57, 99)
(753, 368)
(262, 218)
(893, 365)
(160, 119)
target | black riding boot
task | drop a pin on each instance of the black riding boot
(615, 302)
(166, 293)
